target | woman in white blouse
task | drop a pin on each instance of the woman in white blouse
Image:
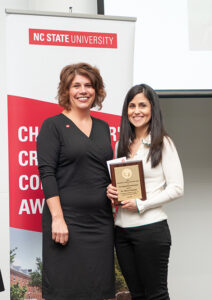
(142, 235)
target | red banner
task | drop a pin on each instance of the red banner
(25, 117)
(72, 38)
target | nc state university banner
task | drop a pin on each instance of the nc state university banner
(38, 47)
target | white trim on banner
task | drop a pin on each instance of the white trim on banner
(69, 15)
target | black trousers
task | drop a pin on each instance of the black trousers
(143, 255)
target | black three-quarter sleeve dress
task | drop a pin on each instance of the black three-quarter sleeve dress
(74, 167)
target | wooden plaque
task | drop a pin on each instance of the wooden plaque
(128, 177)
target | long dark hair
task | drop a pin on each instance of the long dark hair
(156, 127)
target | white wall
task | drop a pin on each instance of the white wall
(79, 6)
(189, 122)
(167, 33)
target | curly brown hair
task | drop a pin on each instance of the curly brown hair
(67, 76)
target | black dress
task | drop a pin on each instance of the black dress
(73, 166)
(1, 283)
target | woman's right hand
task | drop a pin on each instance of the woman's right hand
(112, 193)
(59, 230)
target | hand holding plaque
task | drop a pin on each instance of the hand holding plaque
(128, 177)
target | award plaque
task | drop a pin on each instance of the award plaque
(128, 177)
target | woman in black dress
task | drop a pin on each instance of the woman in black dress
(73, 148)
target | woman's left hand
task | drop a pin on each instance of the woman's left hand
(112, 193)
(129, 204)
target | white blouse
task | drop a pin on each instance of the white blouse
(163, 184)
